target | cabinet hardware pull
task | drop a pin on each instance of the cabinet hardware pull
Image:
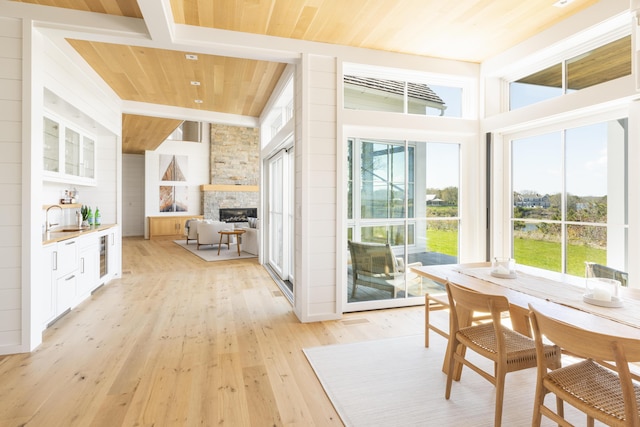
(70, 277)
(55, 260)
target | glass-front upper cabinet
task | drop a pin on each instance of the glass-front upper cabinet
(69, 154)
(88, 158)
(51, 148)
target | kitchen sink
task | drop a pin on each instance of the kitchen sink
(74, 228)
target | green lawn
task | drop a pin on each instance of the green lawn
(443, 241)
(535, 253)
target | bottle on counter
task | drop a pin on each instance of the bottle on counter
(97, 219)
(90, 216)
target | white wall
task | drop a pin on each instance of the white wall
(133, 181)
(10, 184)
(197, 175)
(315, 197)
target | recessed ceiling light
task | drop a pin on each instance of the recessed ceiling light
(562, 3)
(191, 57)
(195, 83)
(198, 101)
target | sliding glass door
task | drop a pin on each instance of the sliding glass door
(402, 212)
(280, 215)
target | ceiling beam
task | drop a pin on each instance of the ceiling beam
(70, 21)
(158, 18)
(171, 112)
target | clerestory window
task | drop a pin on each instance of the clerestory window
(599, 65)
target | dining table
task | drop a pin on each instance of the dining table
(557, 294)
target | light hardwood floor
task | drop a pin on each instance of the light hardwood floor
(179, 341)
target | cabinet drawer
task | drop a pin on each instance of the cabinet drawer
(67, 257)
(65, 292)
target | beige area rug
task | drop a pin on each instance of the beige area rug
(398, 382)
(210, 253)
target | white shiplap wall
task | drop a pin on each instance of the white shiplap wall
(10, 182)
(26, 66)
(316, 139)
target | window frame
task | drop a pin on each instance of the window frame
(502, 243)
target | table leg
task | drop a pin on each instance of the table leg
(220, 244)
(238, 243)
(426, 320)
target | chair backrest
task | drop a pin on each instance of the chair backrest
(208, 231)
(584, 343)
(464, 302)
(191, 228)
(460, 297)
(592, 345)
(372, 258)
(593, 269)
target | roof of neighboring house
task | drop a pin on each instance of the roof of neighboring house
(415, 90)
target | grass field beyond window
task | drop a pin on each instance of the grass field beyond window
(536, 253)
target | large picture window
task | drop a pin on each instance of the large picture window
(570, 198)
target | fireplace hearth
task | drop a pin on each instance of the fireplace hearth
(238, 214)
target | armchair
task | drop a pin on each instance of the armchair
(208, 232)
(593, 269)
(250, 240)
(191, 229)
(375, 265)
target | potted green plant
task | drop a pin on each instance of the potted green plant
(85, 211)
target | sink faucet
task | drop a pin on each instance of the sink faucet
(48, 225)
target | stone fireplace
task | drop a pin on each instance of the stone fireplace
(234, 170)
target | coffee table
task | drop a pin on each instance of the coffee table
(229, 233)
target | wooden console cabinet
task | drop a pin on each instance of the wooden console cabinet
(168, 226)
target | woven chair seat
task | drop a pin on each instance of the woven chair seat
(604, 391)
(521, 350)
(589, 383)
(509, 350)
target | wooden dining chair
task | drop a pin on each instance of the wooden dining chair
(509, 350)
(607, 394)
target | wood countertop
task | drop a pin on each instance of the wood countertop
(57, 234)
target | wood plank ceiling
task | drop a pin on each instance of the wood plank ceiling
(140, 133)
(242, 86)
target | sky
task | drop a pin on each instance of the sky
(443, 162)
(537, 162)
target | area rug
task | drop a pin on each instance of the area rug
(210, 253)
(399, 382)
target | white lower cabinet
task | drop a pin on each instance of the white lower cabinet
(65, 275)
(74, 268)
(89, 253)
(66, 292)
